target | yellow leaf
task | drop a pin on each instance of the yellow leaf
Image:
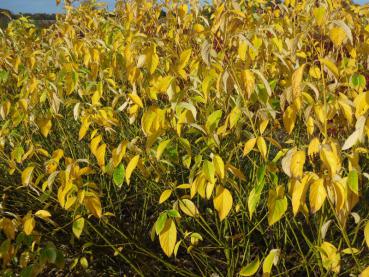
(45, 126)
(223, 202)
(248, 79)
(119, 152)
(27, 175)
(94, 144)
(242, 48)
(330, 161)
(131, 166)
(198, 28)
(314, 72)
(314, 147)
(337, 35)
(29, 225)
(100, 155)
(263, 126)
(262, 146)
(168, 237)
(219, 166)
(165, 195)
(317, 195)
(184, 58)
(43, 214)
(361, 103)
(310, 125)
(84, 128)
(289, 119)
(330, 65)
(136, 99)
(188, 207)
(297, 164)
(296, 81)
(299, 194)
(93, 205)
(340, 196)
(249, 145)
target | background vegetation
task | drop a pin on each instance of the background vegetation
(216, 140)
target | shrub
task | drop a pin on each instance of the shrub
(233, 135)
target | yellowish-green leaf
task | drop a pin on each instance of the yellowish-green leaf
(131, 166)
(277, 204)
(260, 141)
(249, 145)
(330, 257)
(188, 207)
(78, 226)
(251, 268)
(270, 260)
(165, 195)
(45, 126)
(161, 148)
(27, 175)
(209, 171)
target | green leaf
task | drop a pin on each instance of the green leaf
(353, 181)
(213, 120)
(173, 213)
(160, 223)
(358, 81)
(48, 255)
(209, 171)
(251, 268)
(254, 196)
(118, 175)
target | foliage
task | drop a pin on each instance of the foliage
(234, 135)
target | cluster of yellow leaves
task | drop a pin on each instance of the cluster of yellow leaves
(195, 103)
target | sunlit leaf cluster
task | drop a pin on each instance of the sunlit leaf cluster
(233, 134)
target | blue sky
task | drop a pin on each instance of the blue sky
(38, 6)
(49, 6)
